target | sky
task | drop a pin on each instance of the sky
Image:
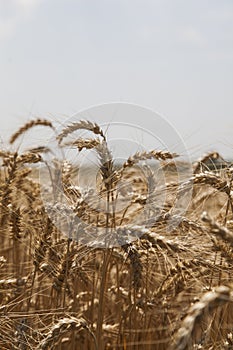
(175, 57)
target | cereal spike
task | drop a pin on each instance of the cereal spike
(29, 125)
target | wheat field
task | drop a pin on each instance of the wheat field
(129, 272)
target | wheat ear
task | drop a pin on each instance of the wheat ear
(206, 178)
(139, 156)
(201, 163)
(134, 256)
(81, 125)
(83, 143)
(208, 302)
(106, 161)
(62, 326)
(217, 229)
(29, 125)
(39, 149)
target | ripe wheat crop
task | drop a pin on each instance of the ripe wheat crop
(109, 274)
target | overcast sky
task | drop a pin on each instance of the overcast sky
(173, 56)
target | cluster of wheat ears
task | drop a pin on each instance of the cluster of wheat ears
(165, 289)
